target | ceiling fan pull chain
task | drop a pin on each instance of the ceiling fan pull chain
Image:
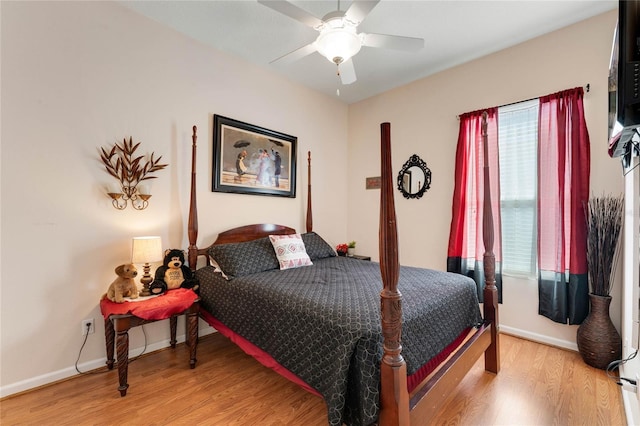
(339, 79)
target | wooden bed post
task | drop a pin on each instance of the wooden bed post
(490, 292)
(309, 214)
(394, 396)
(193, 208)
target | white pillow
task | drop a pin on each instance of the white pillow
(290, 251)
(217, 269)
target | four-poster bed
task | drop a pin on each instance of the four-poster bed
(359, 337)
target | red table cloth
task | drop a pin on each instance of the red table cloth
(155, 308)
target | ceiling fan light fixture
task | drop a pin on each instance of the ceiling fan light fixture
(338, 41)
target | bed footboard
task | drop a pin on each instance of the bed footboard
(429, 396)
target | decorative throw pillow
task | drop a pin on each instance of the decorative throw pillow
(250, 257)
(290, 251)
(316, 247)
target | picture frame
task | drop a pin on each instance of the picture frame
(246, 159)
(374, 182)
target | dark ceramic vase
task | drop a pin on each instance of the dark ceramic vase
(598, 340)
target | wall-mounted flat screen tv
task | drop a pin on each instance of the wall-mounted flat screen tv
(624, 80)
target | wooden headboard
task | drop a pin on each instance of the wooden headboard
(252, 232)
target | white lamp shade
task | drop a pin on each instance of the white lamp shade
(338, 44)
(146, 250)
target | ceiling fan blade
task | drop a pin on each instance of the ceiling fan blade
(292, 11)
(347, 72)
(409, 44)
(360, 9)
(296, 54)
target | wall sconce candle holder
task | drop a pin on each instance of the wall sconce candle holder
(139, 198)
(120, 163)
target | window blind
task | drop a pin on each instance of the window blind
(518, 145)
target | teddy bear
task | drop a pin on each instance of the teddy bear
(173, 274)
(124, 285)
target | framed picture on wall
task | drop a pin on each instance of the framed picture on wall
(248, 159)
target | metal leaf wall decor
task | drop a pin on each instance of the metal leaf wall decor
(121, 163)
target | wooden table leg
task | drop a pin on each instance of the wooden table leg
(118, 326)
(122, 326)
(192, 334)
(109, 337)
(173, 325)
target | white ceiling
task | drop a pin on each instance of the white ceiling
(454, 31)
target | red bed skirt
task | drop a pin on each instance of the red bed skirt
(251, 349)
(417, 377)
(266, 359)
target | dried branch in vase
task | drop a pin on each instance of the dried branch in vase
(604, 222)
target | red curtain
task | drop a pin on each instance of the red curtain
(466, 246)
(563, 192)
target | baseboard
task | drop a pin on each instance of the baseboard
(540, 338)
(65, 373)
(630, 402)
(630, 399)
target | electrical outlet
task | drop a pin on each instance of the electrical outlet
(88, 326)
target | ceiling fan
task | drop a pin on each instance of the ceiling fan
(339, 40)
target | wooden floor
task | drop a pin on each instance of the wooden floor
(538, 385)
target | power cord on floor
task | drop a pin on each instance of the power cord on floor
(86, 336)
(626, 383)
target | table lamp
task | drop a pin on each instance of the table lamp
(146, 250)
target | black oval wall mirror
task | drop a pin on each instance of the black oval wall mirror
(415, 178)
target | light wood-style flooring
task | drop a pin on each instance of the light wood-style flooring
(538, 385)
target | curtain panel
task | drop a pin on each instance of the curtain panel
(466, 246)
(563, 192)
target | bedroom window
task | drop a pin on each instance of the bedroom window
(517, 146)
(538, 155)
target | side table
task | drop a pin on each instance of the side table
(357, 256)
(123, 316)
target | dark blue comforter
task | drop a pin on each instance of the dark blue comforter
(322, 322)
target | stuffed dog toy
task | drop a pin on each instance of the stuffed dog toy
(124, 285)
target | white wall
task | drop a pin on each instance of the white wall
(423, 122)
(80, 75)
